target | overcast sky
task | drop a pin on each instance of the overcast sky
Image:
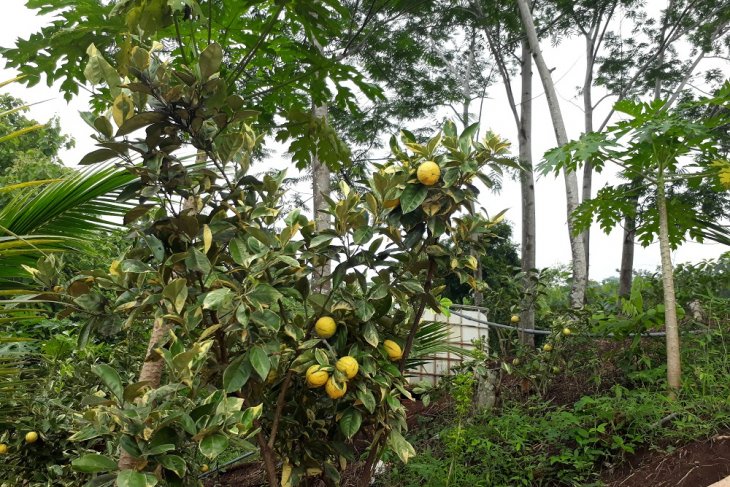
(552, 235)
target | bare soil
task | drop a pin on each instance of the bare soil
(697, 464)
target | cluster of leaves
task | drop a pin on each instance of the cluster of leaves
(225, 282)
(655, 146)
(534, 442)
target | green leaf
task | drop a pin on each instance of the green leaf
(213, 445)
(138, 121)
(98, 155)
(412, 197)
(267, 319)
(263, 295)
(98, 70)
(111, 380)
(197, 261)
(363, 234)
(320, 240)
(350, 422)
(238, 250)
(370, 334)
(134, 265)
(260, 361)
(236, 374)
(174, 463)
(367, 399)
(400, 446)
(93, 463)
(176, 292)
(130, 478)
(216, 298)
(210, 60)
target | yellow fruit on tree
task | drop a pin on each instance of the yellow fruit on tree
(391, 203)
(515, 361)
(515, 319)
(31, 437)
(348, 366)
(567, 331)
(3, 449)
(428, 173)
(335, 390)
(325, 327)
(547, 347)
(204, 467)
(393, 350)
(316, 377)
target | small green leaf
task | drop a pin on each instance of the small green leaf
(210, 60)
(217, 298)
(236, 374)
(213, 445)
(174, 463)
(350, 422)
(367, 399)
(260, 361)
(400, 446)
(111, 380)
(370, 334)
(412, 197)
(130, 478)
(93, 463)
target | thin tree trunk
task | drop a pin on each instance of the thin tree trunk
(150, 372)
(626, 273)
(323, 221)
(527, 187)
(588, 128)
(578, 287)
(670, 304)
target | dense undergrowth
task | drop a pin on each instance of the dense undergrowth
(567, 416)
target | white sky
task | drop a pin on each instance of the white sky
(552, 234)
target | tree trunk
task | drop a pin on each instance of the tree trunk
(588, 128)
(323, 221)
(151, 372)
(527, 186)
(578, 287)
(670, 304)
(626, 273)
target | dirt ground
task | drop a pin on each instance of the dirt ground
(697, 464)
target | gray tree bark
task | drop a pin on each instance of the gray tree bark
(578, 286)
(527, 187)
(320, 188)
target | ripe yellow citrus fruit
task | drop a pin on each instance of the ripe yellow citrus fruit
(515, 319)
(567, 331)
(547, 347)
(325, 327)
(428, 173)
(391, 203)
(393, 350)
(31, 437)
(3, 449)
(348, 366)
(335, 390)
(204, 467)
(316, 377)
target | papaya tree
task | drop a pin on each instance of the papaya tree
(668, 150)
(245, 349)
